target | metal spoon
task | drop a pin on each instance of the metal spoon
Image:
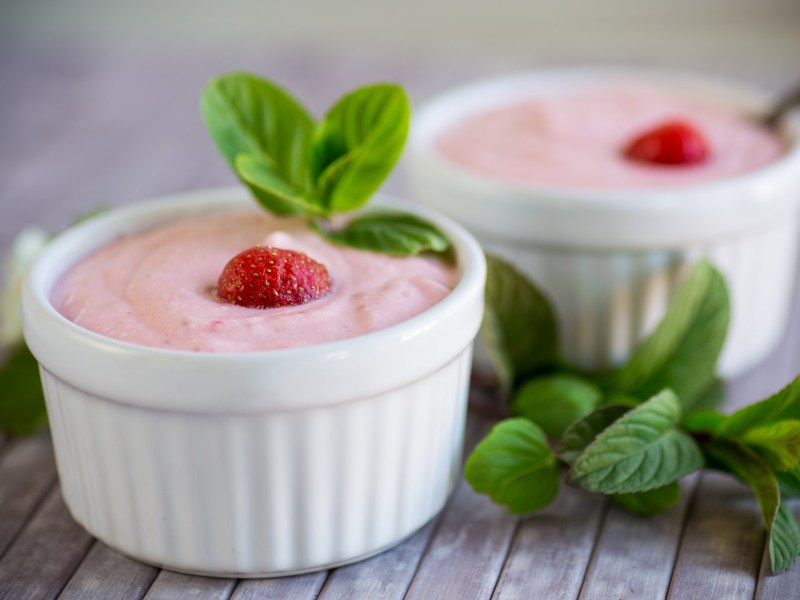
(786, 103)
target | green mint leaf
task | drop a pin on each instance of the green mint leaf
(357, 144)
(748, 467)
(519, 326)
(777, 443)
(789, 482)
(712, 397)
(782, 405)
(556, 401)
(651, 502)
(640, 451)
(249, 115)
(681, 354)
(397, 234)
(703, 421)
(258, 174)
(784, 542)
(22, 407)
(584, 431)
(514, 466)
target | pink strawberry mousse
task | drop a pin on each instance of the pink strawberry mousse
(576, 139)
(157, 288)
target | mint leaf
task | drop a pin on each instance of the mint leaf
(519, 327)
(651, 502)
(357, 144)
(681, 354)
(396, 234)
(22, 407)
(249, 115)
(259, 175)
(642, 450)
(749, 468)
(784, 542)
(556, 401)
(777, 443)
(789, 482)
(712, 397)
(782, 405)
(514, 466)
(703, 421)
(583, 432)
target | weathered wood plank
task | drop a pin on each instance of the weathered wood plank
(552, 549)
(776, 587)
(170, 585)
(720, 554)
(635, 556)
(468, 549)
(299, 587)
(45, 555)
(105, 574)
(386, 576)
(27, 471)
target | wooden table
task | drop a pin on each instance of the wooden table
(80, 129)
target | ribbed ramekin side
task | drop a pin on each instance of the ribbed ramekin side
(608, 301)
(260, 494)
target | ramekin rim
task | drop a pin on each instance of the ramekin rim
(469, 261)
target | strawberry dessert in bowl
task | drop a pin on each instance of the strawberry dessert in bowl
(602, 185)
(244, 394)
(180, 444)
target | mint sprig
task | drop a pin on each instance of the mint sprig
(22, 407)
(295, 165)
(631, 434)
(519, 326)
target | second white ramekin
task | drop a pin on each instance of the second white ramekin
(611, 260)
(253, 464)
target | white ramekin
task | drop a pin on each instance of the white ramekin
(611, 260)
(253, 464)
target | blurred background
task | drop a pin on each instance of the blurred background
(98, 100)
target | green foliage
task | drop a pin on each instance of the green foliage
(681, 354)
(519, 326)
(626, 434)
(554, 402)
(22, 407)
(295, 166)
(515, 466)
(642, 450)
(651, 502)
(396, 234)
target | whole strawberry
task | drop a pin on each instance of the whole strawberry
(671, 143)
(267, 277)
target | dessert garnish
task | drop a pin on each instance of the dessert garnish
(632, 433)
(296, 165)
(670, 143)
(268, 277)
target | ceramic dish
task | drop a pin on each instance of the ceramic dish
(253, 464)
(611, 259)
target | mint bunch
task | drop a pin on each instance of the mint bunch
(632, 433)
(295, 165)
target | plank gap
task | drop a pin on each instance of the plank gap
(28, 474)
(593, 554)
(511, 544)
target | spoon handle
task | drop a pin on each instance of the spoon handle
(787, 101)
